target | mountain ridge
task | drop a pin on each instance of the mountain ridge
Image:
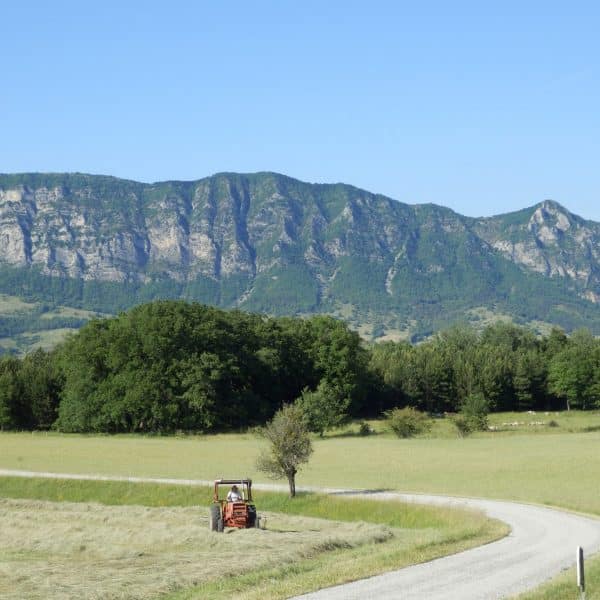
(272, 243)
(28, 175)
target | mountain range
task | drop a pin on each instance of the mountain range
(267, 242)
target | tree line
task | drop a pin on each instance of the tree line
(510, 366)
(171, 365)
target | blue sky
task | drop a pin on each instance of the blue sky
(481, 109)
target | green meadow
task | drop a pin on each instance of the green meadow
(515, 465)
(525, 458)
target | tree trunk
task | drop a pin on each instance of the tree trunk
(292, 483)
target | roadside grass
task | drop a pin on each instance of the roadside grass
(564, 586)
(377, 536)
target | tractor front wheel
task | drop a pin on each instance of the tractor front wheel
(215, 519)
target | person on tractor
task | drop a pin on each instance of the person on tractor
(234, 495)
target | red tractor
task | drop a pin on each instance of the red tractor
(236, 509)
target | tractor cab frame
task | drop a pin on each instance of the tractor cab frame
(240, 514)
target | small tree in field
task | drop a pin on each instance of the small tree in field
(289, 445)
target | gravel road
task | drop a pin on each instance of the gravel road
(542, 542)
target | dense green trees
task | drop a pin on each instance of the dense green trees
(171, 365)
(574, 372)
(508, 365)
(29, 391)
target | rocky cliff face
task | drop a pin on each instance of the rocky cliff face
(550, 240)
(269, 242)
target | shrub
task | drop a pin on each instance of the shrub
(364, 429)
(407, 422)
(552, 423)
(463, 425)
(475, 409)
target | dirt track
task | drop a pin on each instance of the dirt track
(542, 542)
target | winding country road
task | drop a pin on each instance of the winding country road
(541, 543)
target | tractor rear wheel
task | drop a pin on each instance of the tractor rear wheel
(215, 518)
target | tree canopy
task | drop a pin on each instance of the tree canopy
(171, 365)
(289, 445)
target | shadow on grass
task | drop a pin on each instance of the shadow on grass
(361, 492)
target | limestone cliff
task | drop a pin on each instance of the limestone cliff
(268, 242)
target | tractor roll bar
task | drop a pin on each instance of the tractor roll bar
(245, 483)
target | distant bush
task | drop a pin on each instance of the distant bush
(407, 422)
(475, 408)
(463, 425)
(473, 415)
(552, 423)
(364, 429)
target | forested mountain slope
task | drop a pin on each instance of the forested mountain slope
(266, 242)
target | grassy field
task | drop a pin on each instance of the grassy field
(145, 540)
(510, 465)
(12, 304)
(525, 459)
(32, 340)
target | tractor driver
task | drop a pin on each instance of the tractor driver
(234, 495)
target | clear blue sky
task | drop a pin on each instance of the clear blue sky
(481, 109)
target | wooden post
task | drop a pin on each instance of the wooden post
(580, 572)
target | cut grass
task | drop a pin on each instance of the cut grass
(82, 550)
(398, 534)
